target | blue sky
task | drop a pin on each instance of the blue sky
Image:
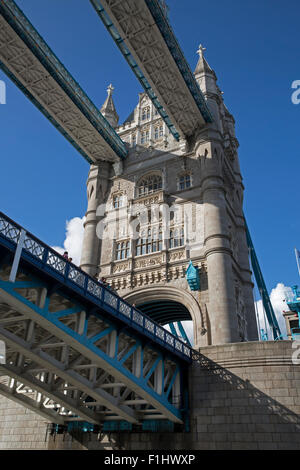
(253, 47)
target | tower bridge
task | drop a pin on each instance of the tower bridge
(84, 355)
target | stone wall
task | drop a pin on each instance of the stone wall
(21, 428)
(243, 396)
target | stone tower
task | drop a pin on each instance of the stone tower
(170, 203)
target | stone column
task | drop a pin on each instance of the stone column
(221, 306)
(252, 333)
(97, 186)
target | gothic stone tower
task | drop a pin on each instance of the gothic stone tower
(197, 187)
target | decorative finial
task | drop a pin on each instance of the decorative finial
(201, 50)
(110, 89)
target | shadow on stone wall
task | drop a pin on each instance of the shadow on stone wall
(230, 412)
(227, 412)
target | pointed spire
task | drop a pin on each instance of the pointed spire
(108, 109)
(202, 65)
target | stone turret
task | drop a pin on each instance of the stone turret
(201, 191)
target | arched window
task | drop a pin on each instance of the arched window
(122, 250)
(176, 237)
(149, 184)
(133, 140)
(146, 113)
(184, 181)
(149, 241)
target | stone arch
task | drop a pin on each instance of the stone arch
(147, 294)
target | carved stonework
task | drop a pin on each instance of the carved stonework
(120, 267)
(148, 262)
(151, 199)
(176, 255)
(176, 272)
(240, 311)
(233, 243)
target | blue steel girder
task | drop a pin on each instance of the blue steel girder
(34, 68)
(83, 361)
(144, 35)
(272, 320)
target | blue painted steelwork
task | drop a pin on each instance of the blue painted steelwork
(116, 426)
(82, 426)
(49, 262)
(154, 425)
(25, 30)
(133, 65)
(48, 270)
(193, 277)
(183, 333)
(263, 335)
(173, 330)
(294, 303)
(272, 320)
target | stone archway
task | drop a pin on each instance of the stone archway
(173, 294)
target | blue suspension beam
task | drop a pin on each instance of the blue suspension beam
(272, 320)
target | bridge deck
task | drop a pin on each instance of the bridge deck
(145, 37)
(34, 68)
(76, 350)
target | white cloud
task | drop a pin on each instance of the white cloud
(73, 240)
(277, 297)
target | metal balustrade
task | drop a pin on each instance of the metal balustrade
(48, 259)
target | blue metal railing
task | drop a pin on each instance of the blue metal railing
(52, 263)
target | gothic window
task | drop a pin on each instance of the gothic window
(145, 134)
(176, 237)
(149, 241)
(149, 184)
(118, 201)
(122, 250)
(184, 181)
(158, 132)
(146, 113)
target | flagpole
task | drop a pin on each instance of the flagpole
(297, 259)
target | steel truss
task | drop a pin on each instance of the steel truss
(33, 67)
(71, 360)
(145, 37)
